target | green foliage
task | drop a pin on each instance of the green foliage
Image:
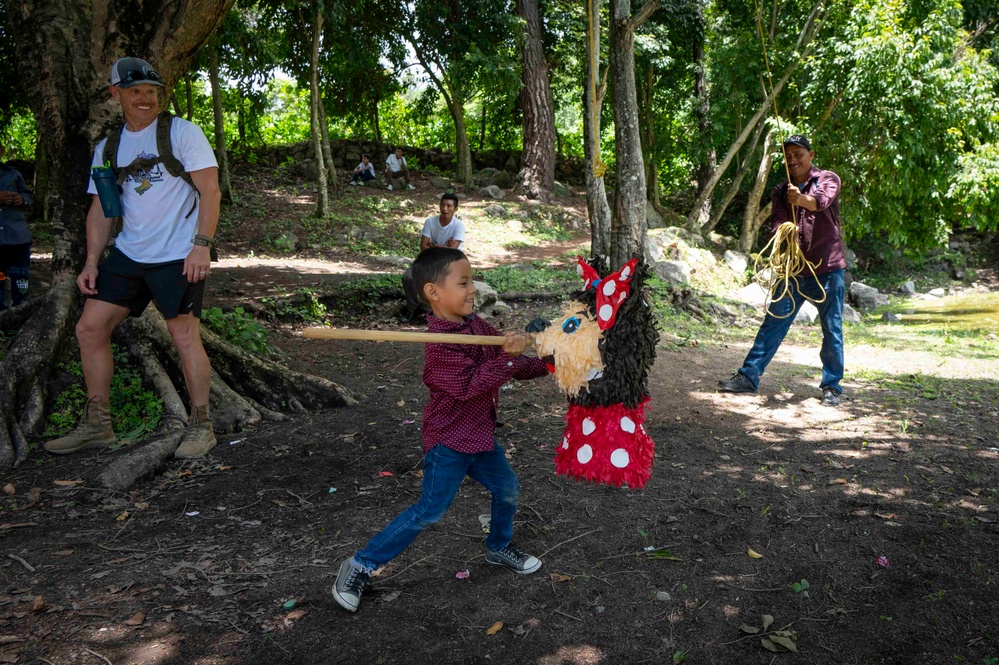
(801, 587)
(239, 328)
(364, 294)
(135, 410)
(19, 135)
(540, 277)
(304, 305)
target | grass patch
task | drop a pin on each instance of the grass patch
(542, 276)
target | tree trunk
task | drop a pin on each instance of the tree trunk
(596, 193)
(322, 193)
(378, 128)
(707, 157)
(220, 148)
(803, 46)
(628, 223)
(462, 146)
(736, 183)
(324, 125)
(537, 171)
(482, 126)
(647, 130)
(752, 220)
(190, 96)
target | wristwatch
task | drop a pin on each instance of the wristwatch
(203, 241)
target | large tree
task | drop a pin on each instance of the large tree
(64, 51)
(537, 162)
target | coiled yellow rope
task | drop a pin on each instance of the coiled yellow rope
(785, 263)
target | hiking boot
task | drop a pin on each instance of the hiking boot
(94, 430)
(739, 383)
(351, 582)
(830, 397)
(199, 437)
(516, 560)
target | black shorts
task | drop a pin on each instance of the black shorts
(122, 281)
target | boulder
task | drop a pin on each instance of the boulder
(493, 191)
(851, 259)
(401, 261)
(807, 313)
(737, 261)
(496, 210)
(306, 168)
(890, 317)
(752, 294)
(500, 307)
(287, 241)
(866, 297)
(674, 272)
(850, 315)
(652, 216)
(515, 225)
(485, 296)
(909, 288)
(486, 177)
(653, 252)
(441, 183)
(937, 293)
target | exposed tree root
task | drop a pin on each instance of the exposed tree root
(122, 473)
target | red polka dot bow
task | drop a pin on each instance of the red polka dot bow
(611, 290)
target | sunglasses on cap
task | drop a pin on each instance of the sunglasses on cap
(140, 75)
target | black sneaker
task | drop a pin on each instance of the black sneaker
(350, 584)
(511, 557)
(830, 397)
(739, 383)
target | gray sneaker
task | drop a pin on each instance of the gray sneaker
(516, 560)
(739, 383)
(830, 397)
(351, 582)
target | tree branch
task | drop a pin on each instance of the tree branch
(643, 13)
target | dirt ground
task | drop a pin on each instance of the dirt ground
(230, 559)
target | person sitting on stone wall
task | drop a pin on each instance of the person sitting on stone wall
(364, 171)
(395, 167)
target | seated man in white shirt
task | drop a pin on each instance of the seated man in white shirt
(443, 230)
(395, 167)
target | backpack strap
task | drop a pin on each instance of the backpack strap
(165, 149)
(110, 155)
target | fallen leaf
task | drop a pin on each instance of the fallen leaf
(38, 604)
(385, 474)
(672, 519)
(122, 517)
(295, 615)
(401, 402)
(533, 622)
(495, 628)
(837, 481)
(559, 577)
(884, 516)
(784, 642)
(8, 489)
(389, 597)
(136, 619)
(67, 483)
(34, 494)
(222, 467)
(753, 554)
(746, 628)
(768, 645)
(767, 621)
(185, 472)
(141, 505)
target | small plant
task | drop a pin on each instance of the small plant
(801, 587)
(239, 328)
(781, 639)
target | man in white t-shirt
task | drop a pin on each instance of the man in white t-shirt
(395, 167)
(443, 230)
(162, 255)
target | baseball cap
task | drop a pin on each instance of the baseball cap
(798, 139)
(127, 72)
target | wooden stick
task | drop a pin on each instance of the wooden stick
(404, 336)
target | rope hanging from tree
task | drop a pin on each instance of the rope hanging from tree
(786, 260)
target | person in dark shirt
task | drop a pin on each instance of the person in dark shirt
(15, 237)
(459, 425)
(814, 195)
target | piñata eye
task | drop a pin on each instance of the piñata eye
(570, 325)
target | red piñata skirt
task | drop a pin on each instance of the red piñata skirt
(606, 444)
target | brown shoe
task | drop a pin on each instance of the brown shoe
(199, 437)
(94, 430)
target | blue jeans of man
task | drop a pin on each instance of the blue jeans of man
(774, 329)
(443, 471)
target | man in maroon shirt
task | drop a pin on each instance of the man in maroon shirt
(813, 196)
(459, 424)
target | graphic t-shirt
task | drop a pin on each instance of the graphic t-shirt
(439, 235)
(395, 163)
(156, 226)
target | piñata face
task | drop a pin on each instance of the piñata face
(573, 341)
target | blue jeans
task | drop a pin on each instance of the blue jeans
(774, 329)
(443, 471)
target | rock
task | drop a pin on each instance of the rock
(675, 272)
(695, 240)
(515, 225)
(306, 168)
(807, 313)
(441, 183)
(485, 296)
(652, 216)
(909, 288)
(865, 297)
(737, 261)
(653, 252)
(496, 210)
(287, 241)
(485, 177)
(500, 307)
(401, 261)
(493, 191)
(851, 259)
(891, 317)
(937, 293)
(722, 242)
(958, 274)
(752, 294)
(558, 189)
(850, 315)
(375, 183)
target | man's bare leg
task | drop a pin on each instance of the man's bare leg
(185, 329)
(93, 332)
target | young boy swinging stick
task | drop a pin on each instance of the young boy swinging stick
(459, 423)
